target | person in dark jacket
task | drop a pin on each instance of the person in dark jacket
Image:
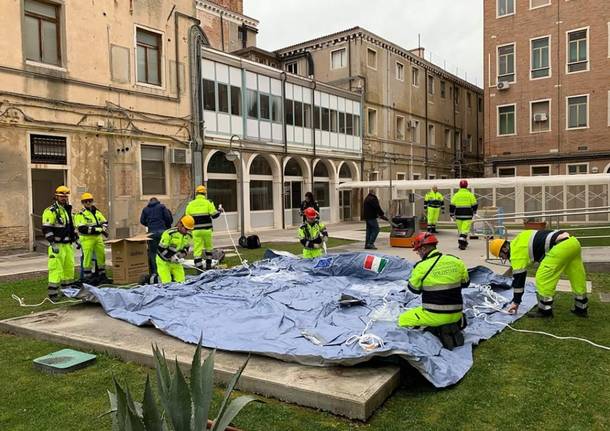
(309, 202)
(157, 219)
(370, 211)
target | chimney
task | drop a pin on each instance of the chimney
(418, 51)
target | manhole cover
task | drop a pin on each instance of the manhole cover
(64, 361)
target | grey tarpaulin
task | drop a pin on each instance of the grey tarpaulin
(287, 308)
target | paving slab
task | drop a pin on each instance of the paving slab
(354, 392)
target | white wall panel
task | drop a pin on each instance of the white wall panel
(224, 123)
(253, 128)
(276, 130)
(298, 135)
(263, 84)
(222, 73)
(207, 70)
(209, 118)
(235, 74)
(237, 125)
(251, 80)
(265, 128)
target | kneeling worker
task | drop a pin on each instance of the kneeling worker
(175, 244)
(91, 225)
(440, 279)
(557, 252)
(312, 234)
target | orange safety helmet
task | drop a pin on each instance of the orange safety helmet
(424, 238)
(310, 214)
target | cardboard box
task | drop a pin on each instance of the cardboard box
(129, 259)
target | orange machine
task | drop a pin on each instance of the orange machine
(403, 232)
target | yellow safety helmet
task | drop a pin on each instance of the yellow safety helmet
(201, 189)
(62, 191)
(86, 197)
(188, 222)
(495, 245)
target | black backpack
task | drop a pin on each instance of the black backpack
(251, 242)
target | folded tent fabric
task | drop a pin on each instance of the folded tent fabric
(287, 308)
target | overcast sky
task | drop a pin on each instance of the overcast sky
(451, 30)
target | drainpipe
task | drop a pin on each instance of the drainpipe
(222, 31)
(426, 124)
(284, 130)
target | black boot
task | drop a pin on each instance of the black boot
(208, 264)
(540, 313)
(580, 312)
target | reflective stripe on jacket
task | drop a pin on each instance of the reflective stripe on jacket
(434, 200)
(463, 205)
(90, 222)
(57, 224)
(441, 287)
(203, 211)
(174, 243)
(312, 234)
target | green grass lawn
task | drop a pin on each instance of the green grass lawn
(518, 381)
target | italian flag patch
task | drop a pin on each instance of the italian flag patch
(374, 263)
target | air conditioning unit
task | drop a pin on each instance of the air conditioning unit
(181, 156)
(540, 117)
(503, 85)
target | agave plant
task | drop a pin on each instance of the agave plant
(183, 407)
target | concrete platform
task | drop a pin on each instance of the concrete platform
(354, 392)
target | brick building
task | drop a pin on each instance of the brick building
(547, 87)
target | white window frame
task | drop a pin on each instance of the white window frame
(567, 107)
(368, 122)
(508, 14)
(588, 49)
(549, 2)
(400, 66)
(400, 129)
(514, 44)
(291, 63)
(498, 135)
(161, 57)
(449, 141)
(374, 173)
(368, 48)
(344, 49)
(166, 156)
(540, 166)
(413, 71)
(532, 118)
(514, 168)
(413, 176)
(577, 164)
(550, 57)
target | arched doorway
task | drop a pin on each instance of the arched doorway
(345, 196)
(293, 191)
(261, 193)
(222, 185)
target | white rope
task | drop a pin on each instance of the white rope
(23, 304)
(369, 342)
(244, 262)
(494, 301)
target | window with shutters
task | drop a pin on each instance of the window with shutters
(578, 50)
(41, 32)
(153, 169)
(148, 45)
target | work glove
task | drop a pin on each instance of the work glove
(175, 259)
(54, 248)
(220, 208)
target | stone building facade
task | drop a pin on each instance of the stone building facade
(419, 121)
(547, 87)
(97, 96)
